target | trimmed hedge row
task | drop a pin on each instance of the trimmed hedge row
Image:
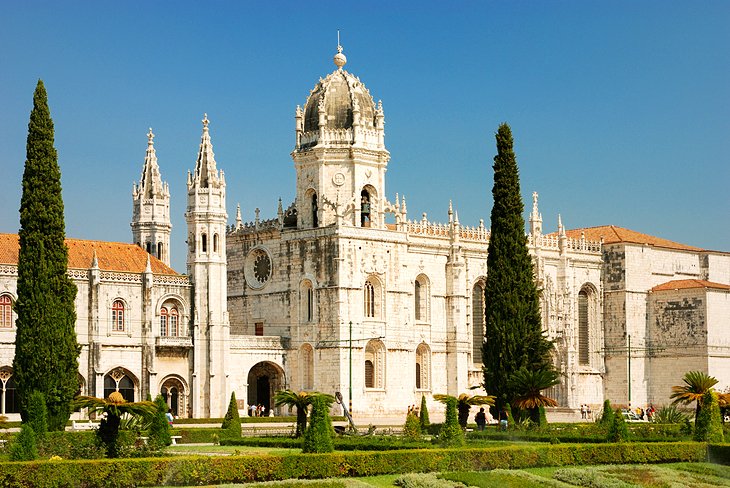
(341, 443)
(241, 469)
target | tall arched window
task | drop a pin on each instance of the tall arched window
(6, 311)
(204, 242)
(310, 304)
(369, 304)
(315, 210)
(478, 321)
(307, 366)
(306, 302)
(375, 365)
(365, 208)
(420, 295)
(215, 243)
(118, 380)
(8, 397)
(584, 355)
(423, 367)
(164, 316)
(159, 250)
(173, 322)
(118, 316)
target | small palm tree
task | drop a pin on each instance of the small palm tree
(112, 409)
(300, 401)
(528, 386)
(464, 402)
(696, 384)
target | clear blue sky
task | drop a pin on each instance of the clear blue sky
(620, 110)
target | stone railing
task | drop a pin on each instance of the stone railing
(552, 241)
(430, 229)
(171, 280)
(120, 277)
(9, 269)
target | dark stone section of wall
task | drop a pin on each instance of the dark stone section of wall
(614, 267)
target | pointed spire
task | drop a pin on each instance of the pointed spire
(561, 230)
(148, 268)
(280, 211)
(239, 222)
(403, 207)
(456, 217)
(94, 261)
(451, 212)
(339, 59)
(150, 183)
(205, 169)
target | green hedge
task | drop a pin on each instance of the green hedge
(240, 469)
(197, 435)
(375, 443)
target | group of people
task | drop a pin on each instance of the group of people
(648, 413)
(585, 411)
(259, 411)
(414, 410)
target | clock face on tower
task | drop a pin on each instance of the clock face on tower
(257, 269)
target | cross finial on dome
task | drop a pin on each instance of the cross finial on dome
(150, 136)
(339, 59)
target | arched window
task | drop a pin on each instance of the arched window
(148, 248)
(164, 316)
(420, 295)
(118, 380)
(365, 208)
(423, 367)
(159, 250)
(6, 312)
(369, 304)
(306, 302)
(307, 366)
(375, 365)
(118, 316)
(8, 398)
(315, 209)
(173, 392)
(215, 242)
(584, 355)
(173, 322)
(204, 242)
(478, 321)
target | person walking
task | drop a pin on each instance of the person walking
(481, 419)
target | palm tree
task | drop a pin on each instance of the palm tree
(528, 385)
(112, 409)
(464, 402)
(696, 384)
(301, 401)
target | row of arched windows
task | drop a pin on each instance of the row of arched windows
(366, 197)
(374, 366)
(372, 299)
(169, 319)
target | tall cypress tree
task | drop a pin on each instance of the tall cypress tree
(46, 350)
(514, 337)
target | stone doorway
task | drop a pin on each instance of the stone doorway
(264, 380)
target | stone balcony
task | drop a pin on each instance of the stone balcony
(174, 342)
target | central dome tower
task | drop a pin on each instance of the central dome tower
(340, 154)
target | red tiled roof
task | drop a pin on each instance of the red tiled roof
(612, 235)
(112, 256)
(688, 284)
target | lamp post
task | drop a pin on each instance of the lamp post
(350, 375)
(629, 369)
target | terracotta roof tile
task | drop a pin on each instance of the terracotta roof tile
(612, 234)
(112, 256)
(688, 284)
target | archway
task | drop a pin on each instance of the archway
(264, 380)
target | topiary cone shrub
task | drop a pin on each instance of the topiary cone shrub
(159, 434)
(425, 421)
(38, 414)
(607, 415)
(24, 447)
(451, 433)
(412, 427)
(617, 431)
(709, 423)
(232, 421)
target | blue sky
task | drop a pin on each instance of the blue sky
(620, 110)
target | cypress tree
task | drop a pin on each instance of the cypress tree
(514, 337)
(232, 421)
(425, 421)
(46, 349)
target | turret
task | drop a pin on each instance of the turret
(151, 225)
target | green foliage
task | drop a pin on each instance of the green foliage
(159, 432)
(300, 401)
(37, 414)
(542, 416)
(513, 322)
(24, 446)
(708, 427)
(46, 349)
(696, 384)
(617, 431)
(71, 445)
(425, 421)
(669, 414)
(412, 427)
(318, 436)
(510, 418)
(527, 386)
(502, 478)
(423, 480)
(201, 470)
(451, 433)
(607, 415)
(232, 421)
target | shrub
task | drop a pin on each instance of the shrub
(412, 427)
(71, 445)
(617, 431)
(159, 433)
(425, 421)
(232, 422)
(606, 418)
(319, 433)
(423, 480)
(543, 417)
(669, 414)
(451, 433)
(510, 417)
(23, 447)
(709, 424)
(38, 414)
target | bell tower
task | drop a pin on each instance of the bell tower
(206, 262)
(151, 225)
(339, 155)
